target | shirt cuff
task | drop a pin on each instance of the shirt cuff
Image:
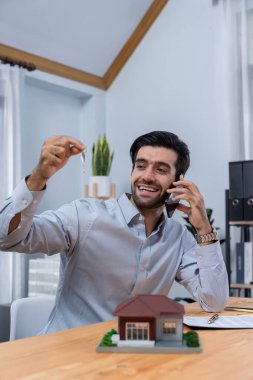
(24, 200)
(209, 255)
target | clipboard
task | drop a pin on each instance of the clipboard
(246, 307)
(242, 321)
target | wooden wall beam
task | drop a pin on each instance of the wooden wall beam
(53, 67)
(104, 82)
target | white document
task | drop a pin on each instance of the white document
(248, 266)
(243, 321)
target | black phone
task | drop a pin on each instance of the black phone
(170, 205)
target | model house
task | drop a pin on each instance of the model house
(150, 318)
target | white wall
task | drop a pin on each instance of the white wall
(175, 81)
(56, 106)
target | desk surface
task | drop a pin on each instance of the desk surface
(70, 354)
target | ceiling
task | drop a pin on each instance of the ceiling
(85, 40)
(89, 38)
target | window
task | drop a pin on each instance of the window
(169, 327)
(137, 331)
(43, 275)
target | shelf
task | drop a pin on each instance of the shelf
(245, 227)
(241, 223)
(241, 286)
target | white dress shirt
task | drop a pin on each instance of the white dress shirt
(106, 256)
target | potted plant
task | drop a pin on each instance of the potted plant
(99, 183)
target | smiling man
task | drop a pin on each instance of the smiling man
(153, 173)
(115, 249)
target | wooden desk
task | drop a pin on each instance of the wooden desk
(70, 354)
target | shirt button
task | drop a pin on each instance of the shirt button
(142, 268)
(24, 201)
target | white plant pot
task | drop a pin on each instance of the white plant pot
(103, 186)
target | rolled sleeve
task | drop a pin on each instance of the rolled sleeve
(25, 200)
(204, 275)
(208, 255)
(22, 201)
(50, 232)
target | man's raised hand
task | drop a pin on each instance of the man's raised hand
(55, 153)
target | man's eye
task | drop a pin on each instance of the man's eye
(139, 166)
(161, 170)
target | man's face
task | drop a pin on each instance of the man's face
(153, 173)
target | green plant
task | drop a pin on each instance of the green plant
(107, 339)
(191, 339)
(209, 213)
(101, 157)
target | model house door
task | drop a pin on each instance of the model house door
(137, 331)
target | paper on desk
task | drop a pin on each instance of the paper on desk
(243, 321)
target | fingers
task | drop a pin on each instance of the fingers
(185, 184)
(51, 159)
(186, 191)
(62, 146)
(184, 208)
(196, 212)
(71, 145)
(73, 150)
(55, 153)
(55, 150)
(187, 194)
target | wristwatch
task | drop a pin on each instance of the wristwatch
(206, 238)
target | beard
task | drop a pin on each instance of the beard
(146, 203)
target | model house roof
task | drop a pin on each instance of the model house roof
(148, 306)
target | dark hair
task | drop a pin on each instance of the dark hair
(164, 139)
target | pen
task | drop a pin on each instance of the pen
(213, 318)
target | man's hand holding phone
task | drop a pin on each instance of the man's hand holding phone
(196, 211)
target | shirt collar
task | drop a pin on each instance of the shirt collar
(129, 211)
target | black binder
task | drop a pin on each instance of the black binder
(241, 190)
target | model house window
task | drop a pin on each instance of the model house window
(169, 328)
(137, 331)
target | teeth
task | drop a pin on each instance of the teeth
(147, 189)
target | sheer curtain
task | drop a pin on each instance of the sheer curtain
(238, 54)
(11, 264)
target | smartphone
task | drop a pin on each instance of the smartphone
(170, 205)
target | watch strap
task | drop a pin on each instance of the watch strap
(206, 238)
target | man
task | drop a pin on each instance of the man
(112, 250)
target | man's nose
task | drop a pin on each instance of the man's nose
(148, 175)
